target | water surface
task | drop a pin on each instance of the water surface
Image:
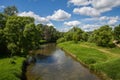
(52, 63)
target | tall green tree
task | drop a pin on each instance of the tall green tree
(103, 36)
(117, 33)
(32, 36)
(3, 19)
(14, 33)
(10, 10)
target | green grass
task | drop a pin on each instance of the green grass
(99, 59)
(9, 71)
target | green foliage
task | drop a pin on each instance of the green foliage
(76, 34)
(103, 36)
(10, 10)
(85, 36)
(13, 33)
(75, 37)
(3, 19)
(117, 33)
(32, 36)
(60, 40)
(48, 33)
(20, 34)
(12, 47)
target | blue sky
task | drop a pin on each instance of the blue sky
(63, 14)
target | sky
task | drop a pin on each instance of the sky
(64, 14)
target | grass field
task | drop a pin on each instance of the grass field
(101, 60)
(10, 69)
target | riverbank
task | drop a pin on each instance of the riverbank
(105, 61)
(11, 68)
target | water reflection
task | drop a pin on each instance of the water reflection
(55, 65)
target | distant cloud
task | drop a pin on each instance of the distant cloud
(50, 24)
(79, 2)
(38, 19)
(59, 15)
(72, 23)
(90, 27)
(102, 18)
(105, 5)
(97, 6)
(111, 20)
(88, 11)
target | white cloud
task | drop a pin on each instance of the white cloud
(59, 15)
(102, 18)
(112, 22)
(97, 6)
(38, 19)
(72, 23)
(90, 27)
(64, 29)
(50, 24)
(88, 11)
(79, 2)
(105, 5)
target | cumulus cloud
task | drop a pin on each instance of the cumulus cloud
(79, 2)
(90, 27)
(50, 24)
(105, 5)
(97, 6)
(59, 15)
(72, 23)
(112, 22)
(102, 18)
(38, 19)
(89, 11)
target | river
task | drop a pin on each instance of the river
(52, 63)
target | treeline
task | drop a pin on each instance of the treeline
(18, 35)
(104, 36)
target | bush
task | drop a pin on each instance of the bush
(90, 61)
(60, 40)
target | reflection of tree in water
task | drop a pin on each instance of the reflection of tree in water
(46, 49)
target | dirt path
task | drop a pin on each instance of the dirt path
(103, 50)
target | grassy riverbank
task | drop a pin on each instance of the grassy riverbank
(10, 69)
(101, 60)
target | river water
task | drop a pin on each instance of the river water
(52, 63)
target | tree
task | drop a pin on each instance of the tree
(40, 28)
(117, 33)
(10, 10)
(32, 36)
(85, 36)
(13, 33)
(103, 36)
(3, 19)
